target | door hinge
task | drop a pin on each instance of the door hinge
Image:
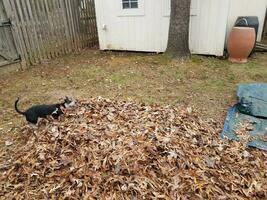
(6, 22)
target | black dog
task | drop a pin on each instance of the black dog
(42, 111)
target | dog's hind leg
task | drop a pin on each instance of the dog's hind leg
(32, 125)
(32, 128)
(32, 119)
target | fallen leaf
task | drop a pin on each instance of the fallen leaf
(8, 143)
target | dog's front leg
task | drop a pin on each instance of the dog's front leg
(49, 118)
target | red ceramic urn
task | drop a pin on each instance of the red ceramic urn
(240, 43)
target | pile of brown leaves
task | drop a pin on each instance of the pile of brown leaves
(107, 149)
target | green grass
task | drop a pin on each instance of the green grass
(119, 78)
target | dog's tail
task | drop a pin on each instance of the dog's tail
(16, 107)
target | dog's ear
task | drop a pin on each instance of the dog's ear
(67, 100)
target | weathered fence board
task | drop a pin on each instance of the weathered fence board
(8, 51)
(45, 29)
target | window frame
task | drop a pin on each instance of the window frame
(130, 2)
(124, 12)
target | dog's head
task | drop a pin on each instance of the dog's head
(69, 102)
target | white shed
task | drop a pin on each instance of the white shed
(143, 25)
(135, 25)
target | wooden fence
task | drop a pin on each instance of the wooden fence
(44, 29)
(8, 51)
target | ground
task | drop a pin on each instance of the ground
(205, 83)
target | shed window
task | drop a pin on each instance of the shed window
(126, 4)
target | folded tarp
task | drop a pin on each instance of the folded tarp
(252, 99)
(251, 108)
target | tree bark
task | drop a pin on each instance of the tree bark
(179, 29)
(265, 27)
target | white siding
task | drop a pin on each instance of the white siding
(208, 22)
(247, 8)
(145, 29)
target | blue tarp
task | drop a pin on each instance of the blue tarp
(251, 108)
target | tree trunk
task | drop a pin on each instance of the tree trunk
(264, 34)
(179, 28)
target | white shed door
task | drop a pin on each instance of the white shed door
(134, 25)
(208, 22)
